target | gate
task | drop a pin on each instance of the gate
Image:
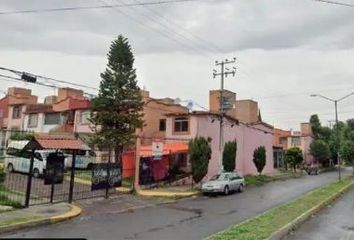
(28, 183)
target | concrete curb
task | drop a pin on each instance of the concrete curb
(285, 230)
(151, 193)
(73, 212)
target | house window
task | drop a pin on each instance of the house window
(84, 118)
(181, 124)
(1, 114)
(52, 119)
(283, 140)
(162, 125)
(296, 141)
(32, 120)
(16, 112)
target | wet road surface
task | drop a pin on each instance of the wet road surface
(185, 219)
(334, 222)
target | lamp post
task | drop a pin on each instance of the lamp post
(335, 101)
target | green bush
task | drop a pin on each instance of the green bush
(259, 158)
(200, 154)
(229, 156)
(293, 157)
(2, 175)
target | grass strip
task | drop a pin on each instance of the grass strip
(18, 220)
(262, 226)
(260, 180)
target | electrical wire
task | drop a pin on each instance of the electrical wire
(336, 3)
(62, 9)
(48, 78)
(206, 44)
(164, 26)
(159, 31)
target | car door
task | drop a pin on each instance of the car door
(233, 182)
(237, 181)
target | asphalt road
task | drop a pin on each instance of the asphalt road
(335, 222)
(185, 219)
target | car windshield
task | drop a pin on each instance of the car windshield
(220, 177)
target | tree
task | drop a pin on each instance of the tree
(315, 126)
(259, 158)
(21, 136)
(229, 156)
(347, 152)
(319, 149)
(325, 134)
(117, 111)
(200, 154)
(293, 156)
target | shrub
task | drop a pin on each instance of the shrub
(229, 156)
(259, 158)
(200, 154)
(293, 157)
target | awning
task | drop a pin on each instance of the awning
(56, 142)
(168, 148)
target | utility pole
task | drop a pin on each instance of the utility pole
(224, 72)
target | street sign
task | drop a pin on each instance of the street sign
(157, 149)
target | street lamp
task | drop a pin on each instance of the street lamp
(335, 101)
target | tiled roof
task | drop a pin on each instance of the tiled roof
(60, 142)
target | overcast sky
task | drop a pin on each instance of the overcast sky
(286, 50)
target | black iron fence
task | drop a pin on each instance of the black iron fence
(27, 177)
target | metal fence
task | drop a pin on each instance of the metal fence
(23, 176)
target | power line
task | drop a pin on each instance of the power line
(19, 79)
(207, 44)
(48, 78)
(63, 9)
(160, 31)
(336, 3)
(164, 26)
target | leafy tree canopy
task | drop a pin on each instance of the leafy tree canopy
(293, 157)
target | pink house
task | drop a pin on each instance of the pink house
(184, 127)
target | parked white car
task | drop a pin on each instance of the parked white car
(18, 160)
(83, 159)
(224, 183)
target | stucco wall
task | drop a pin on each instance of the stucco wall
(248, 140)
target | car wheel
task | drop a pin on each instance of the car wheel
(205, 194)
(36, 173)
(240, 188)
(226, 190)
(10, 168)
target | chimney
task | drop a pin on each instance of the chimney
(50, 100)
(64, 93)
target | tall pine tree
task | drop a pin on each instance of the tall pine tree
(117, 111)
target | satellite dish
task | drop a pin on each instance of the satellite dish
(190, 105)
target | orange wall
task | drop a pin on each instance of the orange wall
(153, 112)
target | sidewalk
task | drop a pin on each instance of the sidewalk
(37, 215)
(169, 192)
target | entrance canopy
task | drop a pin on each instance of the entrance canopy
(62, 142)
(168, 148)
